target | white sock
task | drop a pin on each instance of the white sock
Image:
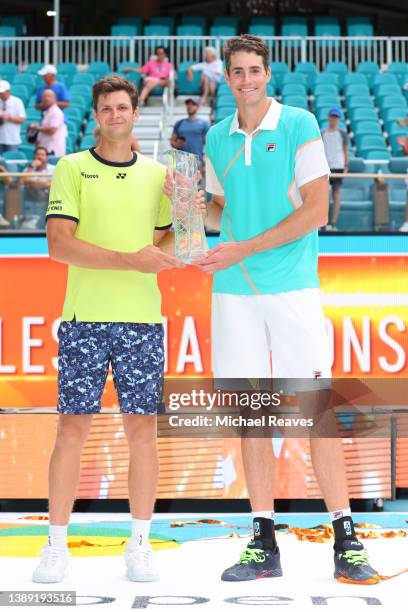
(336, 514)
(140, 531)
(57, 536)
(268, 514)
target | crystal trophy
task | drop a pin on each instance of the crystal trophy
(188, 225)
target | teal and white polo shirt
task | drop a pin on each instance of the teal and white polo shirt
(260, 174)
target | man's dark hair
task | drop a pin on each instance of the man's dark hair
(113, 83)
(40, 148)
(249, 44)
(160, 47)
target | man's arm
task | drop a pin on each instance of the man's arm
(63, 104)
(64, 247)
(311, 215)
(164, 239)
(13, 118)
(214, 211)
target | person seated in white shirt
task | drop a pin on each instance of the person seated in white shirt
(211, 69)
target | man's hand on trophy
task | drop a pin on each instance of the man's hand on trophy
(168, 184)
(223, 256)
(151, 259)
(201, 202)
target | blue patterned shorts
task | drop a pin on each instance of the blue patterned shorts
(134, 350)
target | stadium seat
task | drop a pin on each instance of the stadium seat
(327, 78)
(294, 26)
(199, 20)
(294, 89)
(294, 77)
(327, 27)
(331, 101)
(400, 70)
(392, 102)
(339, 68)
(81, 90)
(87, 142)
(261, 30)
(394, 113)
(189, 31)
(270, 90)
(394, 129)
(34, 115)
(356, 165)
(223, 31)
(356, 90)
(133, 77)
(377, 154)
(123, 30)
(385, 91)
(21, 91)
(7, 32)
(383, 78)
(84, 78)
(28, 150)
(399, 165)
(8, 71)
(33, 68)
(362, 113)
(224, 100)
(226, 20)
(224, 112)
(100, 69)
(365, 128)
(184, 86)
(278, 70)
(353, 78)
(298, 101)
(29, 80)
(309, 70)
(79, 101)
(74, 113)
(369, 69)
(67, 68)
(17, 22)
(163, 20)
(396, 148)
(326, 90)
(358, 102)
(131, 20)
(359, 27)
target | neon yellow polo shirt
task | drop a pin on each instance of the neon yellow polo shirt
(117, 206)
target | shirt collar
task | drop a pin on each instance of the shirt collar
(269, 122)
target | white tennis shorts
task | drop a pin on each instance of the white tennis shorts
(282, 335)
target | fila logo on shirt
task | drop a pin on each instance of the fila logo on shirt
(270, 147)
(317, 374)
(121, 175)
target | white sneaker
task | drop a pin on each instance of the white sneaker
(53, 565)
(404, 227)
(140, 564)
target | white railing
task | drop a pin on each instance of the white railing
(114, 49)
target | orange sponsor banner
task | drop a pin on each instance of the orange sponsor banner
(363, 299)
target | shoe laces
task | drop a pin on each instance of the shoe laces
(141, 555)
(51, 555)
(355, 557)
(252, 554)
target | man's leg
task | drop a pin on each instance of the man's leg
(205, 90)
(138, 371)
(141, 434)
(72, 433)
(240, 350)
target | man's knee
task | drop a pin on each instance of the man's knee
(73, 430)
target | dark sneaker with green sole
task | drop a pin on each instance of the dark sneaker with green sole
(351, 564)
(254, 562)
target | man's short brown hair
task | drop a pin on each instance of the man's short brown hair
(248, 43)
(114, 83)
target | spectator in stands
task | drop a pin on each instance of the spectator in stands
(189, 133)
(211, 69)
(48, 73)
(52, 131)
(336, 143)
(134, 144)
(37, 187)
(12, 115)
(156, 73)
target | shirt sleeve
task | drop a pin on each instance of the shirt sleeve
(212, 184)
(39, 94)
(64, 96)
(20, 110)
(310, 158)
(345, 137)
(198, 66)
(176, 127)
(64, 192)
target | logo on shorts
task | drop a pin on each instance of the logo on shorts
(121, 175)
(317, 374)
(270, 147)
